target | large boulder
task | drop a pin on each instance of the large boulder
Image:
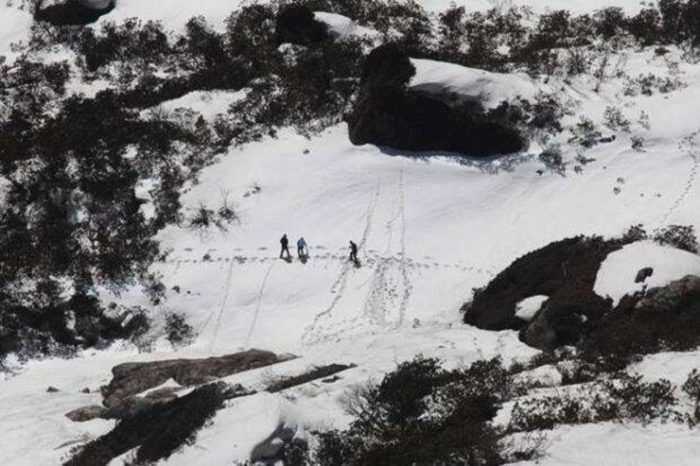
(132, 378)
(419, 121)
(564, 270)
(388, 113)
(72, 12)
(296, 24)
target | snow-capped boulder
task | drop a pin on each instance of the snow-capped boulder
(72, 12)
(387, 113)
(617, 275)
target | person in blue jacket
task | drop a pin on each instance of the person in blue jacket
(301, 248)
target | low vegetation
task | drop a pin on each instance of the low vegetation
(425, 415)
(157, 431)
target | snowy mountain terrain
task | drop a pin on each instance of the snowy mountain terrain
(431, 229)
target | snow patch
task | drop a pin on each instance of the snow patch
(341, 27)
(528, 307)
(490, 89)
(619, 270)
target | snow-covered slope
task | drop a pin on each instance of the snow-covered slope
(429, 231)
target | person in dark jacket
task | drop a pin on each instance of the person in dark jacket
(285, 247)
(353, 252)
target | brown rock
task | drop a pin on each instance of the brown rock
(132, 378)
(86, 413)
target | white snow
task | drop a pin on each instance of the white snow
(528, 307)
(618, 272)
(485, 87)
(208, 104)
(342, 27)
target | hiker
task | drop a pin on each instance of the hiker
(353, 252)
(301, 248)
(285, 247)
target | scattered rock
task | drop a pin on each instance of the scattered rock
(52, 390)
(85, 390)
(87, 413)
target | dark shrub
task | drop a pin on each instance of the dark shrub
(628, 332)
(679, 236)
(177, 331)
(296, 25)
(646, 26)
(156, 431)
(610, 22)
(422, 414)
(387, 66)
(624, 399)
(691, 387)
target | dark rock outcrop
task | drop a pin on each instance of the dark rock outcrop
(296, 25)
(72, 12)
(132, 378)
(565, 271)
(387, 113)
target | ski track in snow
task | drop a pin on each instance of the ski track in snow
(257, 307)
(227, 289)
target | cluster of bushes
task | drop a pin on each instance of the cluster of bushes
(71, 219)
(624, 399)
(157, 431)
(422, 414)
